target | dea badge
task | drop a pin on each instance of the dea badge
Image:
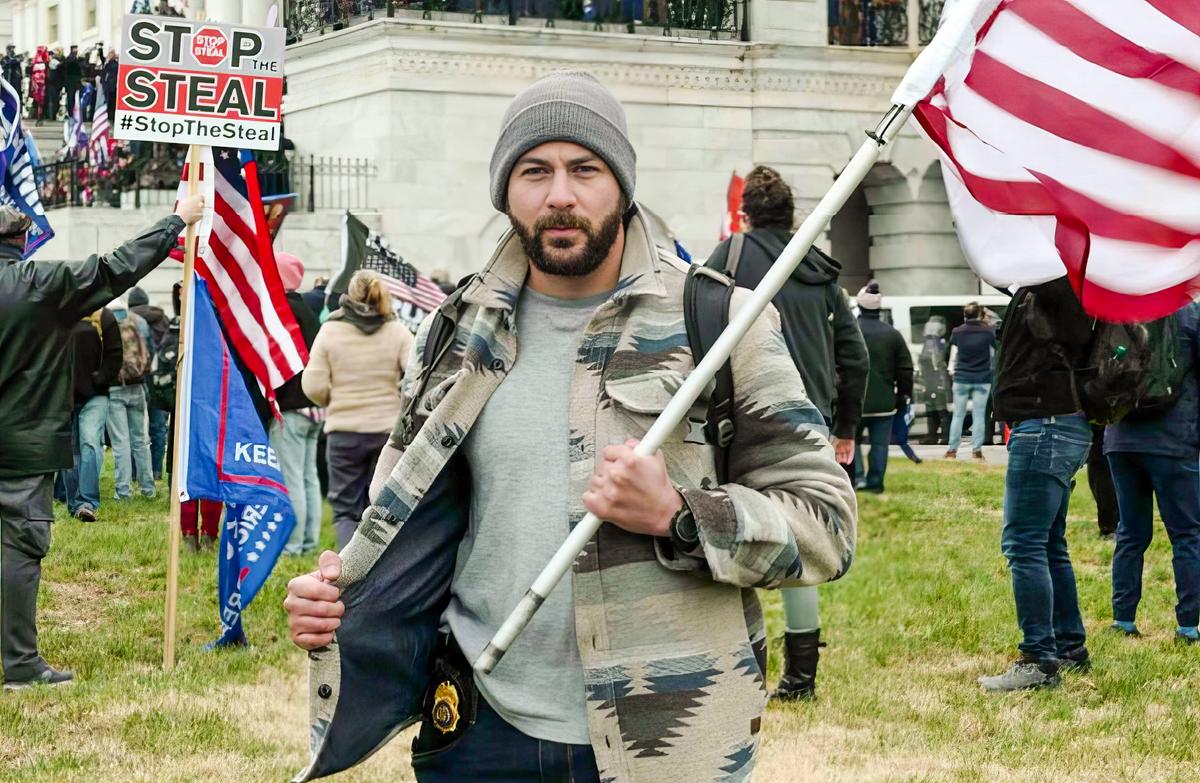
(445, 707)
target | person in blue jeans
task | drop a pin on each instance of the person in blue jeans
(1044, 346)
(96, 348)
(972, 347)
(1158, 458)
(889, 387)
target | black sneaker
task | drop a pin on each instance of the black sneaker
(1076, 660)
(47, 677)
(1023, 675)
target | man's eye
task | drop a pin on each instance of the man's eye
(533, 171)
(586, 169)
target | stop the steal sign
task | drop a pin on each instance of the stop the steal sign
(192, 82)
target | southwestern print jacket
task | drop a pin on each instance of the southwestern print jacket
(674, 691)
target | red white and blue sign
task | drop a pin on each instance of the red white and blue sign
(227, 457)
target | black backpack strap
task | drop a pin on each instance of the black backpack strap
(437, 342)
(706, 298)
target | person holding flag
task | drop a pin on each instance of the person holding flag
(18, 157)
(39, 305)
(640, 666)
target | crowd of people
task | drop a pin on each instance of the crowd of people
(455, 471)
(50, 81)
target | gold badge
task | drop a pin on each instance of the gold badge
(445, 707)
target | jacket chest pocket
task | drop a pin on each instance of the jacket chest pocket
(637, 401)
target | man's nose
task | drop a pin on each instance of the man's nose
(562, 193)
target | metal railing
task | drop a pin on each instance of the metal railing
(716, 18)
(882, 22)
(319, 182)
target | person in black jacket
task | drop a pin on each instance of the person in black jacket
(158, 322)
(889, 387)
(295, 438)
(108, 80)
(828, 349)
(12, 70)
(72, 75)
(40, 304)
(1043, 347)
(96, 347)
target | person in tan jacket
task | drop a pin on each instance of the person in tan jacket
(354, 371)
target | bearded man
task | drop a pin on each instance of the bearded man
(641, 665)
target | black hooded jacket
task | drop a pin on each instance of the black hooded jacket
(818, 325)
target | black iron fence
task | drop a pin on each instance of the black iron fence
(881, 22)
(716, 18)
(319, 182)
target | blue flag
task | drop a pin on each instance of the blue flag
(19, 187)
(227, 457)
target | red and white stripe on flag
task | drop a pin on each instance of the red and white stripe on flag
(1070, 141)
(425, 295)
(235, 257)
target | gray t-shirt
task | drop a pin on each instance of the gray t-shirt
(518, 455)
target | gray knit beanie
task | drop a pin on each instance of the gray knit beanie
(563, 106)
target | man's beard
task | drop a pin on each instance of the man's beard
(578, 263)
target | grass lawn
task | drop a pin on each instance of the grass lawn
(924, 611)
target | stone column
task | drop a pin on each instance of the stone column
(914, 249)
(229, 11)
(254, 12)
(801, 22)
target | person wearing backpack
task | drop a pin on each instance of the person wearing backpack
(1154, 454)
(158, 322)
(40, 303)
(640, 666)
(127, 405)
(1044, 360)
(827, 348)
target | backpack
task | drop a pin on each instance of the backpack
(160, 383)
(135, 357)
(706, 298)
(1133, 368)
(1166, 373)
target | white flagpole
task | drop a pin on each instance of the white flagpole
(957, 28)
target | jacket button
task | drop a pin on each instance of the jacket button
(324, 691)
(448, 441)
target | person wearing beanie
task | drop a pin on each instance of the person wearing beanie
(889, 388)
(40, 304)
(824, 341)
(527, 393)
(294, 437)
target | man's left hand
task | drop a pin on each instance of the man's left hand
(633, 492)
(843, 450)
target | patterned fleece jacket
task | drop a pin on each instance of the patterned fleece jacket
(674, 691)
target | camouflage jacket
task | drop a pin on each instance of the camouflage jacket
(673, 688)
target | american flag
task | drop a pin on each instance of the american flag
(400, 278)
(1070, 142)
(98, 145)
(235, 257)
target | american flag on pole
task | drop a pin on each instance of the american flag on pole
(414, 295)
(1069, 132)
(98, 146)
(235, 258)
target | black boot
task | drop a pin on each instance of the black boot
(799, 680)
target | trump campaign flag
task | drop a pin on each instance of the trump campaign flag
(17, 160)
(227, 457)
(1069, 133)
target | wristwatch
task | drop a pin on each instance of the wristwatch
(684, 534)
